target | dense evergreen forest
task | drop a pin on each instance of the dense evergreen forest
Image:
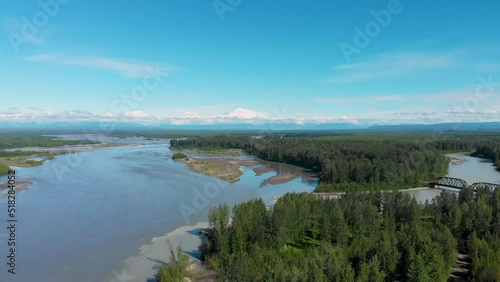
(363, 162)
(27, 140)
(360, 237)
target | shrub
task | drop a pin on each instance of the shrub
(4, 169)
(177, 156)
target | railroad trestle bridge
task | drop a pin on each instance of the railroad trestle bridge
(458, 183)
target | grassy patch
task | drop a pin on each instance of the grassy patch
(216, 168)
(211, 150)
(22, 158)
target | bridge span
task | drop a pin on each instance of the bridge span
(458, 183)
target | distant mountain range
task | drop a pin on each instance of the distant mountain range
(439, 126)
(253, 127)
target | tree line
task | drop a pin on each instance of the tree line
(489, 150)
(26, 140)
(344, 164)
(359, 162)
(372, 236)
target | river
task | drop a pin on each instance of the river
(86, 213)
(469, 169)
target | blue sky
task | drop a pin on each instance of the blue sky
(231, 61)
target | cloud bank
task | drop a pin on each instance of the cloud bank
(244, 116)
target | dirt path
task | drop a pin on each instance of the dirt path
(460, 271)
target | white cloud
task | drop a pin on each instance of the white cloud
(239, 115)
(242, 113)
(487, 112)
(34, 108)
(474, 94)
(128, 68)
(189, 115)
(136, 114)
(390, 65)
(11, 113)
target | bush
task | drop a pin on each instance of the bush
(175, 271)
(4, 169)
(177, 156)
(34, 163)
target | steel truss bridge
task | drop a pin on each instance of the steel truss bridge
(458, 183)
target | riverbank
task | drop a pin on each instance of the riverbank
(33, 156)
(145, 264)
(228, 169)
(278, 179)
(20, 185)
(336, 195)
(457, 158)
(36, 156)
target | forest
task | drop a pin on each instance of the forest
(11, 140)
(358, 162)
(376, 236)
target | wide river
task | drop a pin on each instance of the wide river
(86, 213)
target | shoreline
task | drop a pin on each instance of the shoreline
(228, 169)
(21, 185)
(208, 152)
(454, 158)
(278, 179)
(49, 154)
(145, 263)
(222, 168)
(335, 195)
